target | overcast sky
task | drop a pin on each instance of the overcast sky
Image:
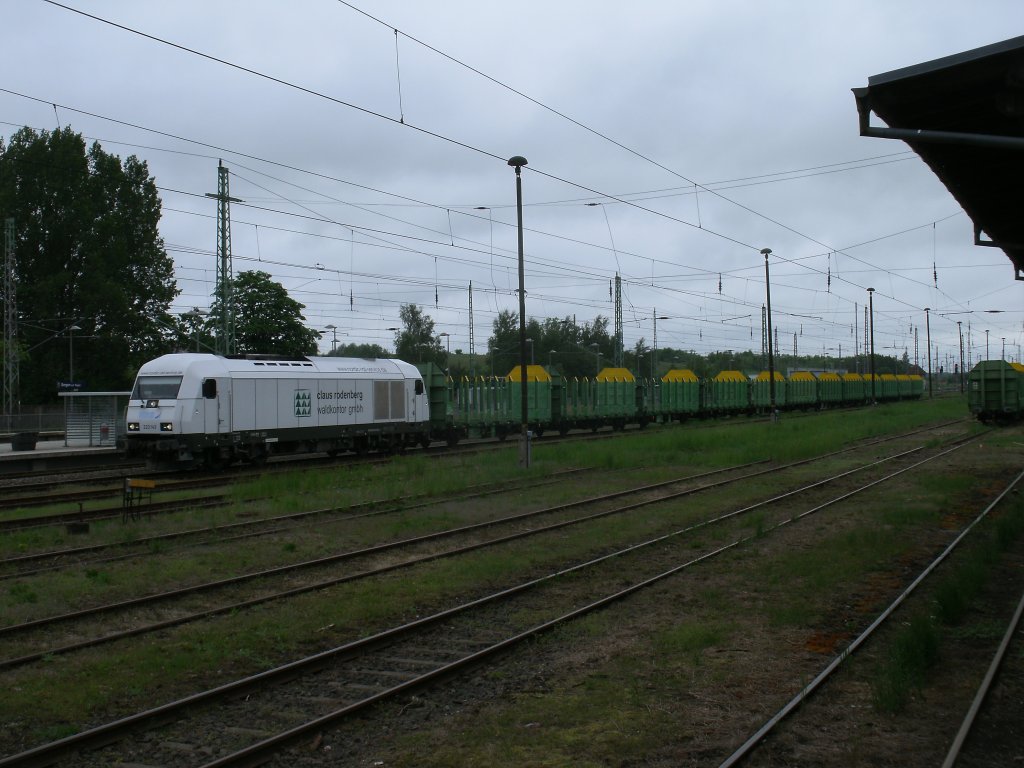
(372, 164)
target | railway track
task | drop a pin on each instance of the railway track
(42, 492)
(744, 751)
(484, 628)
(537, 520)
(980, 748)
(93, 554)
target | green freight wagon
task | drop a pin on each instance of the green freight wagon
(830, 389)
(678, 395)
(910, 386)
(802, 390)
(727, 392)
(856, 389)
(615, 397)
(481, 407)
(538, 397)
(890, 387)
(761, 393)
(442, 421)
(872, 391)
(995, 390)
(577, 405)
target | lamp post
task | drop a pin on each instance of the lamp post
(529, 343)
(928, 341)
(1004, 348)
(771, 355)
(334, 341)
(986, 345)
(448, 346)
(71, 351)
(518, 162)
(551, 354)
(871, 315)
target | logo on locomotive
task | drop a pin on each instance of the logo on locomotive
(303, 403)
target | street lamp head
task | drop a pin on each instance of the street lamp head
(765, 252)
(871, 290)
(517, 162)
(927, 309)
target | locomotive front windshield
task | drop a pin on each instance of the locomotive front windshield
(156, 388)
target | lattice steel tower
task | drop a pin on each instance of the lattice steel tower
(472, 346)
(225, 278)
(618, 321)
(764, 336)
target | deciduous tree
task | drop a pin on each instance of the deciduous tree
(90, 261)
(267, 319)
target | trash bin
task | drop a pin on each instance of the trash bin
(24, 441)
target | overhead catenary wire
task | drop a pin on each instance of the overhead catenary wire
(346, 104)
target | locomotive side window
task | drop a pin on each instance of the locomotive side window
(381, 407)
(156, 388)
(419, 386)
(210, 389)
(397, 400)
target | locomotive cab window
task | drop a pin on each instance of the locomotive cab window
(210, 389)
(156, 388)
(419, 386)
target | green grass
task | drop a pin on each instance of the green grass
(915, 649)
(912, 653)
(79, 687)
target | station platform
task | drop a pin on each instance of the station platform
(54, 454)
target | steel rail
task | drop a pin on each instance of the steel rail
(168, 623)
(983, 689)
(92, 642)
(230, 526)
(111, 731)
(744, 749)
(257, 754)
(406, 502)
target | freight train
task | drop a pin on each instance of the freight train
(192, 410)
(995, 391)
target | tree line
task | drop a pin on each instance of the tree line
(95, 285)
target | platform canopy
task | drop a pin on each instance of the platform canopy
(964, 116)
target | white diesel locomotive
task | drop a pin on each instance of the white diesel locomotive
(208, 410)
